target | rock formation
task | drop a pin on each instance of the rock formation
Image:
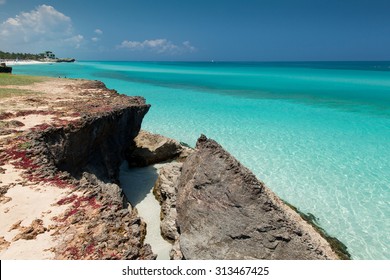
(224, 212)
(153, 148)
(98, 144)
(165, 190)
(5, 69)
(65, 60)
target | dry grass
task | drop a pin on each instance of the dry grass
(19, 80)
(9, 84)
(12, 92)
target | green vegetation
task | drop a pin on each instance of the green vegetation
(23, 56)
(45, 56)
(19, 80)
(11, 92)
(25, 145)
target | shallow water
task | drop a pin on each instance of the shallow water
(316, 133)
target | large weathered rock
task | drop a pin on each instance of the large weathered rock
(165, 190)
(153, 148)
(224, 212)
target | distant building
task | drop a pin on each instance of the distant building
(49, 55)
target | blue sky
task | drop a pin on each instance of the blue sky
(249, 30)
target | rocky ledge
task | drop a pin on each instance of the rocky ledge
(215, 208)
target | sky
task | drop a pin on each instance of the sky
(199, 30)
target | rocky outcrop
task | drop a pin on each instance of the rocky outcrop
(153, 148)
(29, 232)
(224, 212)
(98, 143)
(5, 69)
(65, 60)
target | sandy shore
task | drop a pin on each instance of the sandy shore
(23, 62)
(27, 218)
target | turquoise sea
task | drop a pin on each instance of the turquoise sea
(318, 134)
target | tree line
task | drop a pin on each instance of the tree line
(21, 56)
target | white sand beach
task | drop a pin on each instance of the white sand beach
(24, 205)
(23, 62)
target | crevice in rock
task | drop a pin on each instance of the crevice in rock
(240, 237)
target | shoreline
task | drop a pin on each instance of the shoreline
(23, 62)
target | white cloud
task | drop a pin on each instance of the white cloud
(161, 46)
(2, 2)
(40, 29)
(76, 41)
(98, 35)
(188, 46)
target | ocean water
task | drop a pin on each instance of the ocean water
(318, 134)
